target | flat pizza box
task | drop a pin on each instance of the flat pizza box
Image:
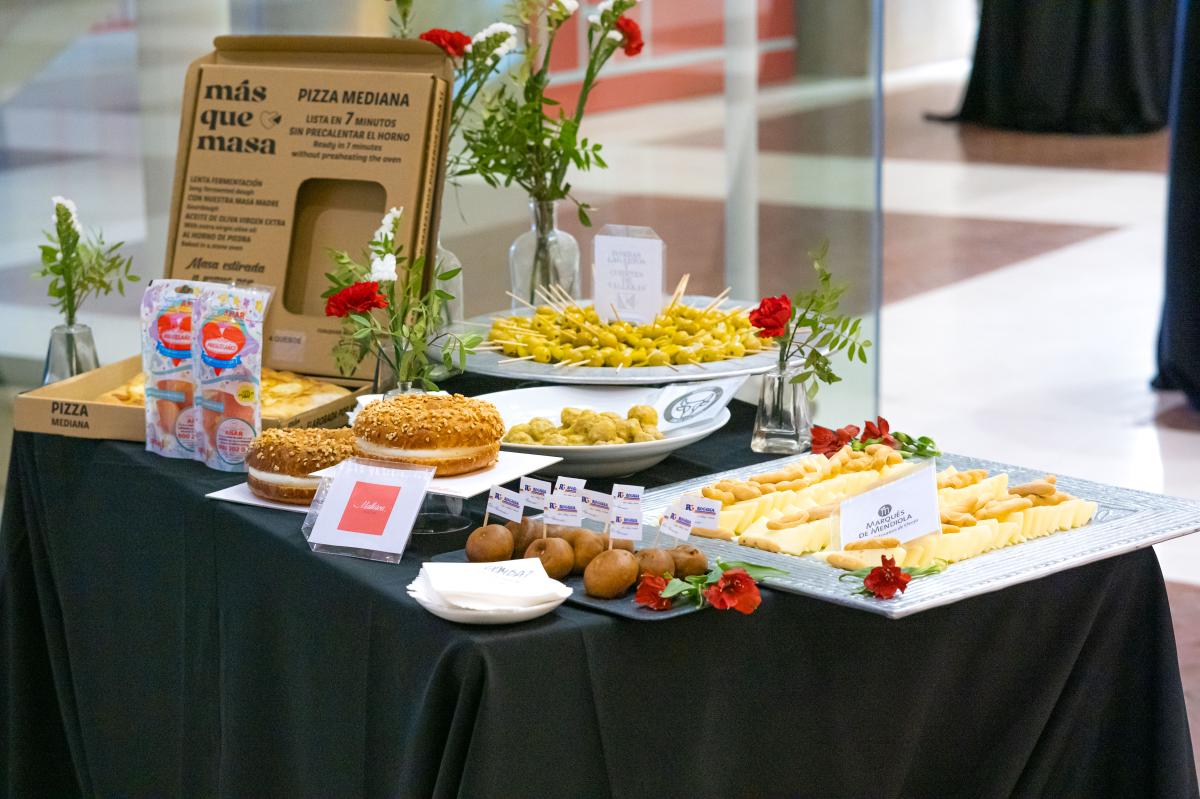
(70, 407)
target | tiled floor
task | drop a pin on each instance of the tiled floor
(1022, 274)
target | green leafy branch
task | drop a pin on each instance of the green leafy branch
(412, 327)
(79, 268)
(528, 139)
(816, 330)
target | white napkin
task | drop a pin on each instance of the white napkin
(505, 585)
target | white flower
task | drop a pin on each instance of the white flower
(383, 268)
(603, 7)
(568, 7)
(615, 36)
(387, 226)
(593, 21)
(70, 206)
(496, 29)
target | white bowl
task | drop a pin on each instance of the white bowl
(463, 616)
(596, 460)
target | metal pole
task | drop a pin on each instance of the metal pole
(741, 148)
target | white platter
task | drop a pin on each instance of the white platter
(1125, 520)
(607, 460)
(488, 363)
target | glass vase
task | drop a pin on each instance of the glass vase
(784, 416)
(543, 256)
(72, 351)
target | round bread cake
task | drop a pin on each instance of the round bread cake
(453, 433)
(280, 461)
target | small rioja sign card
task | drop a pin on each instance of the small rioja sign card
(366, 509)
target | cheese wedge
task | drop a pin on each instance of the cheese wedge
(1041, 521)
(798, 540)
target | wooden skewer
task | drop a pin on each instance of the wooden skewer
(564, 295)
(680, 288)
(518, 299)
(512, 360)
(720, 298)
(550, 300)
(616, 315)
(568, 300)
(561, 364)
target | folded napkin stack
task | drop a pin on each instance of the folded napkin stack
(507, 585)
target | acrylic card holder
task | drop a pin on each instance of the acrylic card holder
(367, 509)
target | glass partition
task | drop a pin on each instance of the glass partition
(745, 134)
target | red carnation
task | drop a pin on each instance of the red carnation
(886, 579)
(827, 442)
(772, 316)
(356, 298)
(649, 592)
(633, 35)
(735, 589)
(453, 42)
(880, 431)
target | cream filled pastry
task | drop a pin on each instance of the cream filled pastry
(281, 460)
(453, 433)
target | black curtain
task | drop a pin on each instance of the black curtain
(1072, 66)
(1179, 336)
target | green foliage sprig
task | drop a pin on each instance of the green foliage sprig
(818, 330)
(528, 139)
(411, 327)
(80, 267)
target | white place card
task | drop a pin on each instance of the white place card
(505, 504)
(705, 512)
(677, 522)
(562, 510)
(569, 486)
(627, 495)
(904, 509)
(535, 492)
(626, 523)
(367, 508)
(628, 270)
(596, 506)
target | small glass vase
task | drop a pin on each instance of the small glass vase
(543, 256)
(403, 387)
(72, 351)
(783, 423)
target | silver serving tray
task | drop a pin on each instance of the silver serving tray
(488, 363)
(1125, 520)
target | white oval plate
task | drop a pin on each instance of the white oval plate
(463, 616)
(599, 460)
(488, 363)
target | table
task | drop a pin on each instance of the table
(160, 644)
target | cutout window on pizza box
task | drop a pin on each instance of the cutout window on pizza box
(330, 214)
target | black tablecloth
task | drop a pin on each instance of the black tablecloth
(1072, 66)
(1179, 336)
(160, 644)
